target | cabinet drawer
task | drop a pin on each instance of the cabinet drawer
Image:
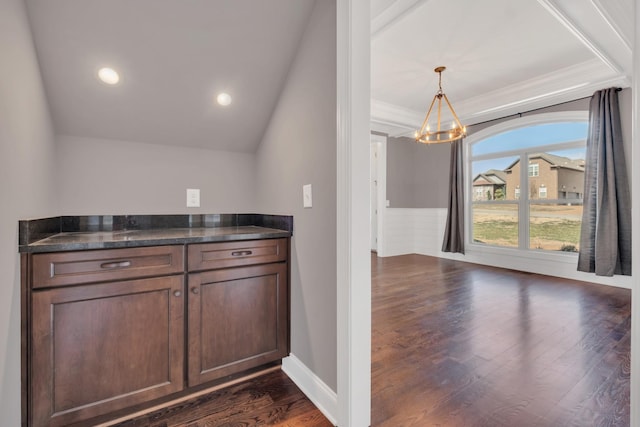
(71, 268)
(210, 256)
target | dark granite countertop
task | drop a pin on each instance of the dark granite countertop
(82, 233)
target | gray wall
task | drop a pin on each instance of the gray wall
(121, 177)
(417, 174)
(299, 148)
(26, 182)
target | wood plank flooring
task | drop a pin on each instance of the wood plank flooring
(268, 400)
(457, 344)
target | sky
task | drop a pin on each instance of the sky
(529, 137)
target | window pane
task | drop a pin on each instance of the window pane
(549, 189)
(557, 174)
(531, 136)
(495, 224)
(555, 227)
(490, 179)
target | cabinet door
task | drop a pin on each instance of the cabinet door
(99, 348)
(238, 319)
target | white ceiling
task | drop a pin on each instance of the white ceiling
(174, 56)
(502, 56)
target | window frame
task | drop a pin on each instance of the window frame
(543, 187)
(522, 202)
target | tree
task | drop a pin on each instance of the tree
(498, 194)
(488, 194)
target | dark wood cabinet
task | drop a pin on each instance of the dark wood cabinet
(237, 320)
(104, 330)
(99, 348)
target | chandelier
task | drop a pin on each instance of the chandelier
(455, 131)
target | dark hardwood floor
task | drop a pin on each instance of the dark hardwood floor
(457, 344)
(268, 400)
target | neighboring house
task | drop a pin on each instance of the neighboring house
(487, 183)
(550, 177)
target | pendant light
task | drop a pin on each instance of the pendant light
(455, 131)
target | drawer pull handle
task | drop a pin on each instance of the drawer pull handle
(241, 253)
(177, 293)
(195, 290)
(117, 264)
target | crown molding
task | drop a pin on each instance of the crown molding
(577, 81)
(393, 119)
(571, 83)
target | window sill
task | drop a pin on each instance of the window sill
(531, 254)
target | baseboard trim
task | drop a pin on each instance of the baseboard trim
(325, 399)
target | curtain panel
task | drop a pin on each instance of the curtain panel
(454, 232)
(605, 239)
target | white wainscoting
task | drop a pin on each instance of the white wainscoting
(420, 231)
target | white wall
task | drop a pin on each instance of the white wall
(299, 148)
(26, 182)
(102, 177)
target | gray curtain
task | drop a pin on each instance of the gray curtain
(605, 239)
(454, 233)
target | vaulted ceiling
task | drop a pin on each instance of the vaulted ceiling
(502, 56)
(174, 57)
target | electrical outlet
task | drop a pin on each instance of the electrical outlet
(193, 197)
(307, 200)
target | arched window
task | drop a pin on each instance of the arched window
(537, 206)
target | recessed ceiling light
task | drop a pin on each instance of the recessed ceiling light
(108, 75)
(224, 99)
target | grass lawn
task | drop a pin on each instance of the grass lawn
(549, 235)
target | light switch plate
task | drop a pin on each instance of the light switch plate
(193, 197)
(307, 199)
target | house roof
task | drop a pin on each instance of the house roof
(492, 176)
(555, 161)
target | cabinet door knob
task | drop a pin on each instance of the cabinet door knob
(177, 293)
(195, 290)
